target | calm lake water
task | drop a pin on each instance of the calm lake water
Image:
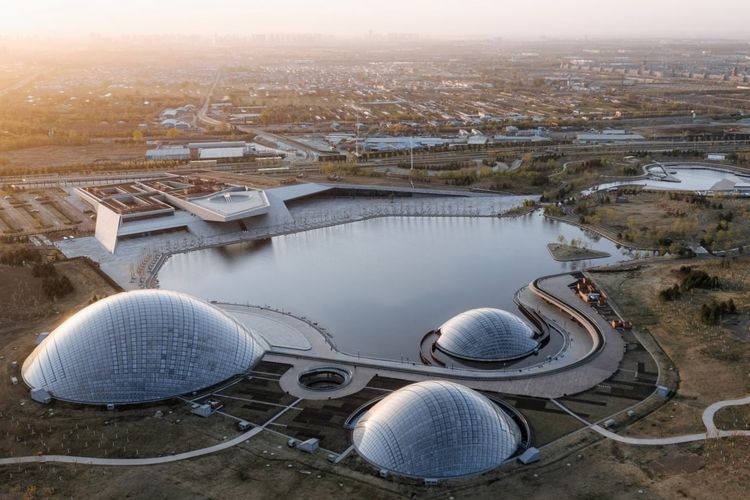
(379, 285)
(691, 179)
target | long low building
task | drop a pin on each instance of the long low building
(208, 208)
(159, 205)
(403, 143)
(209, 150)
(619, 137)
(219, 153)
(175, 153)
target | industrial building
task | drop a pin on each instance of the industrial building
(609, 136)
(209, 150)
(140, 346)
(168, 153)
(463, 138)
(405, 143)
(436, 430)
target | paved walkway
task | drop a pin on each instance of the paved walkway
(708, 422)
(131, 254)
(710, 412)
(687, 438)
(708, 416)
(569, 373)
(276, 328)
(132, 461)
(147, 461)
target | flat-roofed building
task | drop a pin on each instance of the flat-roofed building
(218, 153)
(168, 154)
(168, 204)
(611, 137)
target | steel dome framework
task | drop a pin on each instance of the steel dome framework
(436, 429)
(141, 346)
(486, 335)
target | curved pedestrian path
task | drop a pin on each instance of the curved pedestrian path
(589, 362)
(66, 459)
(710, 412)
(708, 421)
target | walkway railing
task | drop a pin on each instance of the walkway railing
(146, 270)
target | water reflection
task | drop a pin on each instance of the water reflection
(379, 285)
(686, 179)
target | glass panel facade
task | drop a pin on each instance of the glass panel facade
(486, 335)
(436, 429)
(141, 346)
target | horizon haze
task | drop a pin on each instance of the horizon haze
(436, 18)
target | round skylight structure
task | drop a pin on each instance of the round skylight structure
(141, 346)
(486, 335)
(436, 430)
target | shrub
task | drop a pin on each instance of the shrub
(712, 313)
(44, 270)
(21, 257)
(671, 293)
(700, 279)
(57, 286)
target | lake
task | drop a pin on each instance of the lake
(690, 179)
(379, 285)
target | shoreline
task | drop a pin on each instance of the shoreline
(558, 251)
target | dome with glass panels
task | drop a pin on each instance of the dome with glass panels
(436, 429)
(486, 335)
(141, 346)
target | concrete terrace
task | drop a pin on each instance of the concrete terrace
(303, 344)
(136, 262)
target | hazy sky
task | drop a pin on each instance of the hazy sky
(450, 18)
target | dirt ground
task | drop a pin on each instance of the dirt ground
(713, 364)
(649, 218)
(733, 417)
(23, 303)
(679, 416)
(265, 468)
(50, 157)
(567, 253)
(27, 428)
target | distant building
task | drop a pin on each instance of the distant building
(174, 123)
(609, 137)
(519, 138)
(403, 143)
(478, 140)
(216, 144)
(210, 150)
(217, 153)
(178, 153)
